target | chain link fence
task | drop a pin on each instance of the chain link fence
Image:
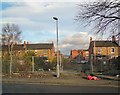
(26, 65)
(17, 66)
(108, 67)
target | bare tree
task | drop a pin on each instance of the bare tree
(10, 35)
(104, 15)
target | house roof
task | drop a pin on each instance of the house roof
(79, 50)
(30, 46)
(104, 44)
(40, 46)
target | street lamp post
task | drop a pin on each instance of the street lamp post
(57, 68)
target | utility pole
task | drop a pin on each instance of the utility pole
(91, 61)
(94, 54)
(33, 64)
(61, 66)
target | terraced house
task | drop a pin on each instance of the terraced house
(40, 49)
(104, 50)
(80, 56)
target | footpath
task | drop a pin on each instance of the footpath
(66, 78)
(115, 78)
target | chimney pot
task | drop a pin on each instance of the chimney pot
(113, 39)
(90, 39)
(24, 44)
(27, 42)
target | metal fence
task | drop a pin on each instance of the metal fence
(106, 67)
(16, 66)
(27, 65)
(101, 66)
(109, 67)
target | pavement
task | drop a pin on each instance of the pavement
(66, 78)
(115, 78)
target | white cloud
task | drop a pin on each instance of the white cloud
(75, 41)
(66, 45)
(42, 14)
(35, 20)
(28, 1)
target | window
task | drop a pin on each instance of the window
(99, 50)
(44, 51)
(19, 52)
(112, 50)
(35, 52)
(87, 53)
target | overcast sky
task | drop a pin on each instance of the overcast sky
(35, 20)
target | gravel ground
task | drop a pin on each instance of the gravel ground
(66, 78)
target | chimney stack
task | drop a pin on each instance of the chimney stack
(24, 44)
(90, 39)
(27, 43)
(113, 39)
(15, 43)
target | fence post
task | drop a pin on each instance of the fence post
(91, 61)
(33, 64)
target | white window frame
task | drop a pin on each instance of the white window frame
(19, 52)
(36, 51)
(99, 50)
(87, 53)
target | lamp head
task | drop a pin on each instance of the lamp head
(55, 18)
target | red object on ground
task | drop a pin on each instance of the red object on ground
(92, 78)
(89, 77)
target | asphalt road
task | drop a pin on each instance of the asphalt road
(39, 88)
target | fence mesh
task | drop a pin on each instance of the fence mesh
(26, 65)
(100, 66)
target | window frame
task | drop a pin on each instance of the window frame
(112, 50)
(99, 50)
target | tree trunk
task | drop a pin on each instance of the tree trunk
(11, 58)
(11, 64)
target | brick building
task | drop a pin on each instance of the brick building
(40, 49)
(104, 50)
(79, 55)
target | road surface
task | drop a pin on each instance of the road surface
(39, 88)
